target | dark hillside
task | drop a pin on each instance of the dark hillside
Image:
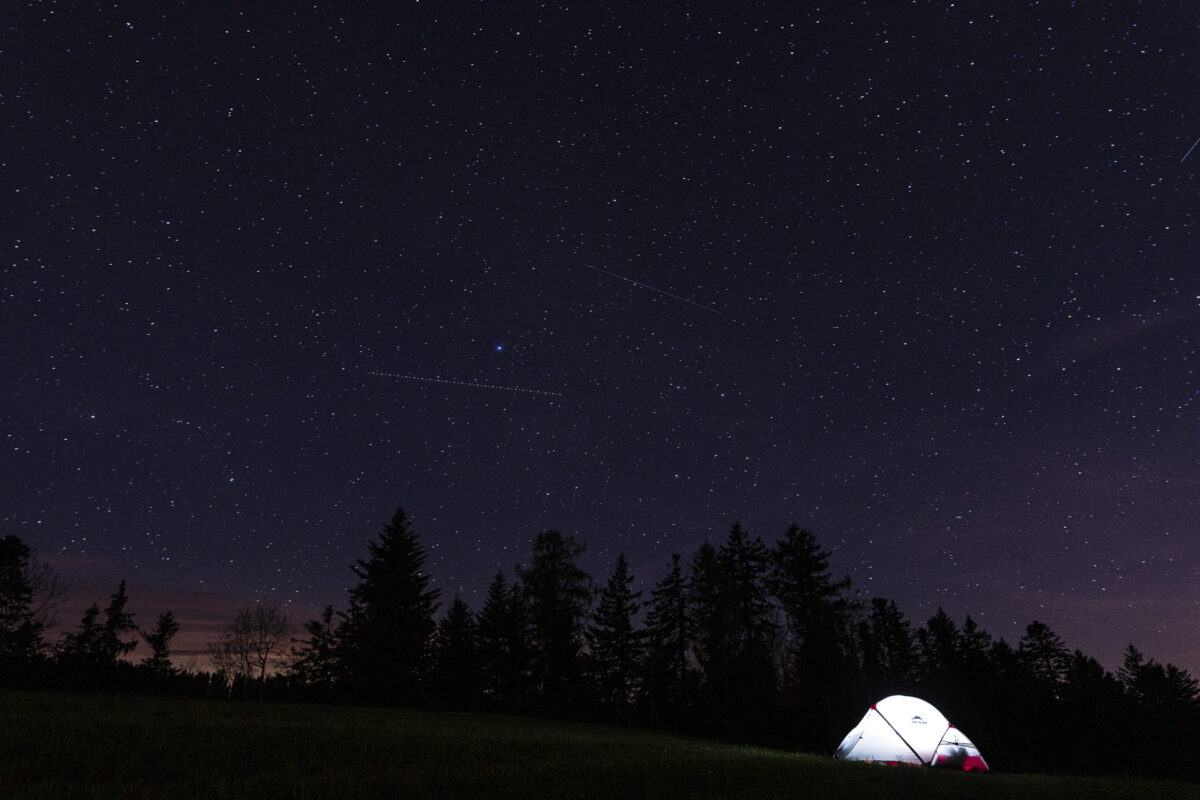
(59, 745)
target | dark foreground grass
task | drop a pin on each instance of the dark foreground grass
(67, 746)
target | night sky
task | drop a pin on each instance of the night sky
(920, 277)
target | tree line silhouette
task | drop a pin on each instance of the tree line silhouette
(745, 640)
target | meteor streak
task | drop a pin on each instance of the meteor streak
(655, 289)
(1189, 152)
(468, 384)
(1167, 480)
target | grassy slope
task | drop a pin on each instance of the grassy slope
(55, 745)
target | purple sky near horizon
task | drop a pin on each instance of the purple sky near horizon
(919, 277)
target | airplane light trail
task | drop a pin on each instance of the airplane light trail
(468, 384)
(655, 289)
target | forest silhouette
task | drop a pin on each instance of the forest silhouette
(744, 640)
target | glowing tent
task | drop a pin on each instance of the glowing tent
(907, 730)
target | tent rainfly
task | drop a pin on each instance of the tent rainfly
(907, 730)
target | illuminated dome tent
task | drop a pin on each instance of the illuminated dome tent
(907, 730)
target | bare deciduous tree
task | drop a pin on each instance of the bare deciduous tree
(251, 644)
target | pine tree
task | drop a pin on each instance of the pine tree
(731, 613)
(117, 624)
(29, 594)
(670, 678)
(82, 650)
(939, 642)
(818, 619)
(1155, 686)
(815, 608)
(1093, 701)
(1087, 682)
(315, 663)
(1164, 710)
(388, 631)
(711, 619)
(975, 673)
(1180, 688)
(1044, 654)
(974, 644)
(616, 646)
(1132, 664)
(744, 563)
(456, 658)
(558, 592)
(159, 660)
(94, 649)
(503, 634)
(886, 641)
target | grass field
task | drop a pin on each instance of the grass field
(68, 746)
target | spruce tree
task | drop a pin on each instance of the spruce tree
(315, 663)
(118, 623)
(94, 649)
(731, 615)
(1158, 687)
(1087, 681)
(744, 562)
(159, 660)
(558, 592)
(616, 645)
(886, 642)
(940, 642)
(974, 644)
(670, 682)
(388, 630)
(818, 617)
(711, 620)
(504, 657)
(456, 658)
(1044, 655)
(82, 650)
(814, 605)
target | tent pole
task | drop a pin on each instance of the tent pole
(906, 744)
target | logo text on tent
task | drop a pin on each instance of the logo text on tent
(918, 721)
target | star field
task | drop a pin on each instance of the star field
(917, 276)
